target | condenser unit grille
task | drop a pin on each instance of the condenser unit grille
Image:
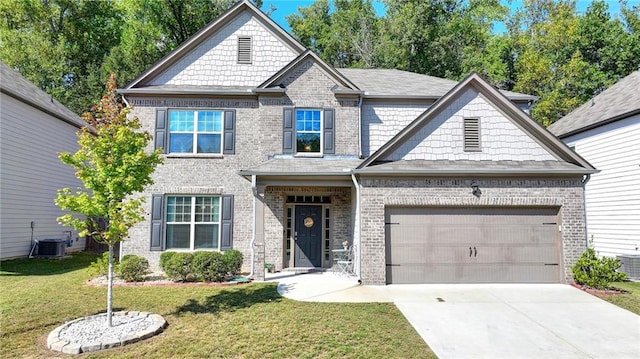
(50, 248)
(630, 264)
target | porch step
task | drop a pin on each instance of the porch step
(303, 270)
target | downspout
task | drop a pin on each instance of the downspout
(360, 126)
(584, 181)
(357, 224)
(254, 189)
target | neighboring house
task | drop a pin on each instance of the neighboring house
(271, 151)
(606, 131)
(34, 128)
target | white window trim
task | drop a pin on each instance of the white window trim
(192, 224)
(194, 151)
(295, 126)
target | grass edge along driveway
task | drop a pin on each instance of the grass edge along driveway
(246, 321)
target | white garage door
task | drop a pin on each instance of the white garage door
(472, 245)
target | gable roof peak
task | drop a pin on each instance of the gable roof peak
(306, 55)
(199, 37)
(493, 95)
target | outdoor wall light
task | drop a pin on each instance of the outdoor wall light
(475, 189)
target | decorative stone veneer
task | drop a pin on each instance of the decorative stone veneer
(341, 223)
(378, 193)
(443, 137)
(214, 61)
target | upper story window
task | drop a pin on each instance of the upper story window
(244, 49)
(472, 134)
(308, 131)
(192, 131)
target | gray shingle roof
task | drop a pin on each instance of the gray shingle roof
(617, 102)
(473, 167)
(391, 82)
(14, 85)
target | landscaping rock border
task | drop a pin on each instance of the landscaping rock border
(156, 324)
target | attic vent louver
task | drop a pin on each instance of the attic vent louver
(472, 134)
(244, 50)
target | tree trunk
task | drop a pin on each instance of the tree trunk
(110, 288)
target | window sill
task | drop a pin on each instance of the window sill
(308, 155)
(194, 155)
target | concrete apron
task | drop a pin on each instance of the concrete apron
(490, 320)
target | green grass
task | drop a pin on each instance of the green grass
(631, 301)
(246, 321)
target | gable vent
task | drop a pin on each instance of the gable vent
(472, 134)
(244, 50)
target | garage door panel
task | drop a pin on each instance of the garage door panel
(475, 245)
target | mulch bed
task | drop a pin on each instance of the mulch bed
(156, 280)
(606, 291)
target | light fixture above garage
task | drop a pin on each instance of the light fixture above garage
(475, 189)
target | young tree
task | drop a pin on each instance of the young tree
(112, 165)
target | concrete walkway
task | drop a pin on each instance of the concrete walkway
(490, 320)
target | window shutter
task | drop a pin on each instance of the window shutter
(227, 223)
(472, 134)
(229, 132)
(244, 50)
(157, 217)
(288, 136)
(161, 129)
(329, 131)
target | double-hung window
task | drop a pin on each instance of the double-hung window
(193, 222)
(308, 131)
(195, 131)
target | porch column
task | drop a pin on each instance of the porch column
(258, 245)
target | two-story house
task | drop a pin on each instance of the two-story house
(271, 151)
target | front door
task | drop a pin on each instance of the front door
(308, 236)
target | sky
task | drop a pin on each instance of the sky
(286, 7)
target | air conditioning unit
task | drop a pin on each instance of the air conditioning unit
(52, 248)
(630, 264)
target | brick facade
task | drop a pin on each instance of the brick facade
(566, 194)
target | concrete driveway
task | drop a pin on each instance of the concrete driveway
(491, 320)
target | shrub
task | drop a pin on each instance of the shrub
(165, 257)
(596, 272)
(133, 268)
(101, 265)
(178, 267)
(233, 262)
(209, 266)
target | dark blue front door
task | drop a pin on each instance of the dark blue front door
(308, 236)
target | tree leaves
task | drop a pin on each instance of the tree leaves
(113, 165)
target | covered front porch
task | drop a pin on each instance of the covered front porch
(304, 210)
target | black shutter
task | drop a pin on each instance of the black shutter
(229, 132)
(161, 129)
(227, 223)
(329, 131)
(157, 209)
(288, 133)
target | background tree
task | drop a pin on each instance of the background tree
(112, 165)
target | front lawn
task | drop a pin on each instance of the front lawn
(631, 301)
(246, 321)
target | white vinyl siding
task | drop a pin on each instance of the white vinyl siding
(613, 196)
(31, 174)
